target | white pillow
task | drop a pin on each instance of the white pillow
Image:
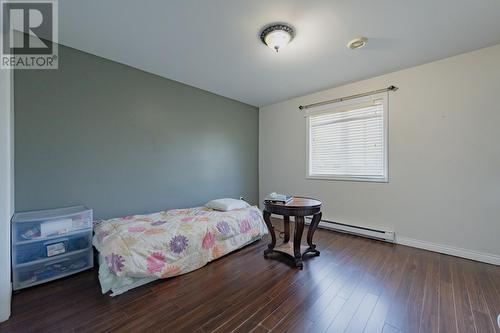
(227, 204)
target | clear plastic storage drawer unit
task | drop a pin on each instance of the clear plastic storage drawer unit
(54, 268)
(50, 244)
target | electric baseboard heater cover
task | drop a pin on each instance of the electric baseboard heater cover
(387, 236)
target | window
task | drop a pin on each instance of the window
(348, 140)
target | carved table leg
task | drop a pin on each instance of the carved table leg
(297, 238)
(312, 228)
(270, 227)
(286, 222)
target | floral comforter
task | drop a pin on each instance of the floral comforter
(141, 248)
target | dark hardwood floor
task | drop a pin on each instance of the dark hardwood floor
(355, 285)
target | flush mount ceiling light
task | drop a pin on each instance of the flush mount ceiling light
(357, 43)
(277, 36)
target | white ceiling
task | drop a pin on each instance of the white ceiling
(214, 45)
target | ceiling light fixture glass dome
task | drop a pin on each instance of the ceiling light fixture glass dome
(277, 36)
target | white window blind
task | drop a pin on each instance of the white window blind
(349, 142)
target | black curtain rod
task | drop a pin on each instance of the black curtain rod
(341, 99)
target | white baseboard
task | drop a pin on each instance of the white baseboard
(451, 250)
(441, 248)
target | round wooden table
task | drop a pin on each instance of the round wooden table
(299, 207)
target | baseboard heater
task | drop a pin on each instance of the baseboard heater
(387, 236)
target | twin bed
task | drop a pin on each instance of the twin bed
(138, 249)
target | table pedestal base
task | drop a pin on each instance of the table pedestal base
(293, 249)
(288, 249)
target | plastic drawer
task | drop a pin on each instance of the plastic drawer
(47, 224)
(52, 248)
(36, 273)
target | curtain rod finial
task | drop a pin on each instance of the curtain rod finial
(392, 88)
(301, 107)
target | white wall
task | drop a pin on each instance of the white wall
(444, 157)
(6, 187)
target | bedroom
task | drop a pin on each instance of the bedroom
(137, 115)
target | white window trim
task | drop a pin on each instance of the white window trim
(340, 106)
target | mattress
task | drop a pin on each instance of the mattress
(138, 249)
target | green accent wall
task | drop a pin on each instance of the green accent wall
(124, 141)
